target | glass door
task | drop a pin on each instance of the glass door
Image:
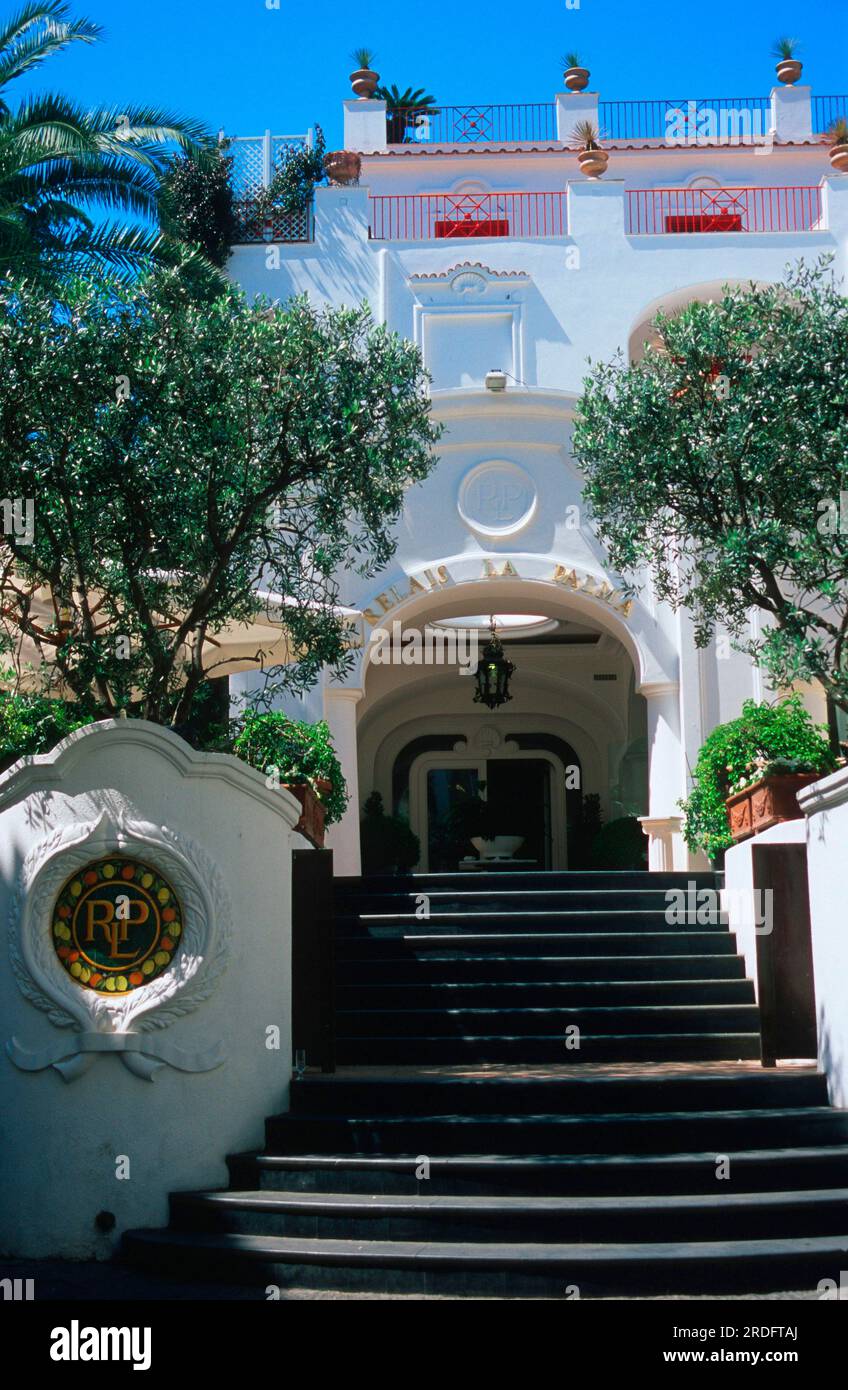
(447, 789)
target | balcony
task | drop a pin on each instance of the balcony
(652, 211)
(737, 120)
(442, 216)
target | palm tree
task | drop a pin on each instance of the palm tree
(62, 167)
(404, 110)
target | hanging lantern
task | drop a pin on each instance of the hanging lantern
(493, 673)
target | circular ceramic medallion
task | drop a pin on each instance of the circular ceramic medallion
(117, 925)
(497, 499)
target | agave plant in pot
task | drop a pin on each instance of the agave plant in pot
(576, 77)
(592, 159)
(788, 67)
(364, 79)
(838, 139)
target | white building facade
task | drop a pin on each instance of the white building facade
(497, 255)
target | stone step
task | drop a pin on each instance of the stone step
(458, 967)
(516, 1021)
(784, 1168)
(460, 1219)
(399, 924)
(505, 899)
(444, 1050)
(654, 1132)
(564, 945)
(550, 1270)
(579, 1092)
(540, 994)
(530, 880)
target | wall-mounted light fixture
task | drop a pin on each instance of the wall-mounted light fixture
(496, 380)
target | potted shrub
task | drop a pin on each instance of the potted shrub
(342, 166)
(750, 758)
(788, 67)
(576, 77)
(364, 80)
(301, 755)
(591, 158)
(620, 844)
(838, 137)
(388, 844)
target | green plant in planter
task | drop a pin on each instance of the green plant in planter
(776, 738)
(586, 136)
(293, 183)
(197, 204)
(31, 724)
(300, 752)
(838, 132)
(404, 110)
(364, 59)
(785, 49)
(388, 844)
(571, 60)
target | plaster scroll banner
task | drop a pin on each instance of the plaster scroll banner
(118, 928)
(497, 499)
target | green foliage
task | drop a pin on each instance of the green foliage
(780, 737)
(197, 205)
(620, 844)
(183, 455)
(32, 724)
(388, 844)
(364, 59)
(62, 165)
(293, 183)
(716, 464)
(298, 751)
(405, 110)
(838, 132)
(571, 60)
(785, 49)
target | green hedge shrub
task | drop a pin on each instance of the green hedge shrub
(32, 724)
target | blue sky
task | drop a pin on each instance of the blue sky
(244, 66)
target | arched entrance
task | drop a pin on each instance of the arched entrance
(590, 695)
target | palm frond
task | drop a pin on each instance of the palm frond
(36, 32)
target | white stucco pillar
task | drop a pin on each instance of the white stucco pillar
(667, 778)
(573, 107)
(792, 113)
(596, 213)
(364, 125)
(340, 713)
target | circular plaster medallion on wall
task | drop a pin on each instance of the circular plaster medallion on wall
(497, 499)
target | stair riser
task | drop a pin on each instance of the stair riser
(656, 1225)
(588, 1179)
(564, 947)
(558, 881)
(431, 970)
(380, 928)
(457, 1051)
(714, 1133)
(560, 1097)
(547, 900)
(529, 1022)
(535, 996)
(609, 1279)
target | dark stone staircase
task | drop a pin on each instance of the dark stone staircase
(468, 1147)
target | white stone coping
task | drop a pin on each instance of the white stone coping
(44, 771)
(830, 792)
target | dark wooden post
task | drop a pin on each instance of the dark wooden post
(313, 985)
(785, 955)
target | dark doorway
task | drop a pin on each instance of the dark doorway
(520, 791)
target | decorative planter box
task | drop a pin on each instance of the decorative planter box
(768, 802)
(313, 812)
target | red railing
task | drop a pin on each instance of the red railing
(655, 210)
(482, 124)
(436, 216)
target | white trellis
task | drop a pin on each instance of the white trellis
(256, 157)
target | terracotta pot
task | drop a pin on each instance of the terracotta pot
(364, 82)
(766, 803)
(593, 163)
(839, 158)
(576, 79)
(313, 813)
(789, 70)
(342, 166)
